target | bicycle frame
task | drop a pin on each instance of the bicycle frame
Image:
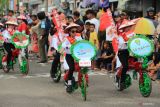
(21, 55)
(77, 74)
(133, 65)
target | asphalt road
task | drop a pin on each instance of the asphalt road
(38, 90)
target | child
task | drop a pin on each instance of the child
(93, 38)
(106, 55)
(86, 31)
(7, 33)
(154, 66)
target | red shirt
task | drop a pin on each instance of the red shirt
(23, 27)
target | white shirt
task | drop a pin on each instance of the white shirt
(7, 36)
(66, 45)
(95, 22)
(55, 42)
(121, 43)
(57, 39)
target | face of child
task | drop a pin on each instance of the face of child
(89, 16)
(19, 21)
(33, 18)
(73, 32)
(91, 28)
(10, 14)
(105, 45)
(87, 27)
(117, 19)
(151, 13)
(11, 26)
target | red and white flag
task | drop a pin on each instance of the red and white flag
(107, 24)
(106, 20)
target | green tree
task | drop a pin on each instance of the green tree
(4, 5)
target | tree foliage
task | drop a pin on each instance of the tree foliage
(4, 4)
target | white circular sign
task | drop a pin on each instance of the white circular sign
(141, 47)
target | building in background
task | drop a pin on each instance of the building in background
(39, 5)
(140, 6)
(132, 6)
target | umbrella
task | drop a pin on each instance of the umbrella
(20, 40)
(144, 26)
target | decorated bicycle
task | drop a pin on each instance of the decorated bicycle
(20, 41)
(83, 53)
(140, 47)
(1, 49)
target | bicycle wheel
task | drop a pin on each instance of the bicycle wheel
(24, 66)
(1, 56)
(128, 81)
(84, 88)
(58, 74)
(2, 53)
(5, 67)
(145, 87)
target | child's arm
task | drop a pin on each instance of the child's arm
(95, 41)
(157, 66)
(61, 51)
(109, 56)
(151, 67)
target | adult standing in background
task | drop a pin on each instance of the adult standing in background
(158, 17)
(34, 36)
(150, 13)
(91, 15)
(77, 20)
(66, 9)
(42, 37)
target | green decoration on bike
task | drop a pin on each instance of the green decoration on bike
(84, 88)
(20, 40)
(145, 87)
(128, 81)
(23, 67)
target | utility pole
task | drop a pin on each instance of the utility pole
(46, 5)
(75, 6)
(18, 5)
